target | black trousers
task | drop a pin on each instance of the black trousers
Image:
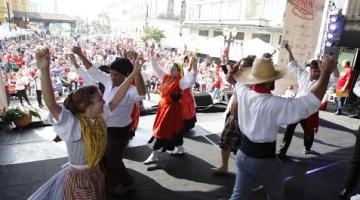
(118, 139)
(148, 88)
(353, 172)
(289, 132)
(21, 94)
(39, 97)
(8, 98)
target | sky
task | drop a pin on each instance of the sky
(84, 8)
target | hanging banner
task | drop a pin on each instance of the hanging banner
(301, 28)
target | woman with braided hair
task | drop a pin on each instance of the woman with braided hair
(81, 124)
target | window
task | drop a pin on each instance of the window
(239, 36)
(170, 9)
(204, 32)
(253, 9)
(217, 33)
(263, 37)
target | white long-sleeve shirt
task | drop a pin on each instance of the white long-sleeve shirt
(261, 115)
(185, 82)
(88, 80)
(121, 115)
(356, 89)
(303, 79)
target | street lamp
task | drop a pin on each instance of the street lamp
(229, 38)
(8, 11)
(25, 20)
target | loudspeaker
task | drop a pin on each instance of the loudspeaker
(203, 99)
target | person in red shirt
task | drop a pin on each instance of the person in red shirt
(217, 86)
(343, 86)
(18, 60)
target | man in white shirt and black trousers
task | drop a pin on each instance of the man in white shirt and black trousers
(306, 81)
(119, 122)
(261, 114)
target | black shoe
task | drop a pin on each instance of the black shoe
(357, 116)
(307, 151)
(338, 112)
(344, 195)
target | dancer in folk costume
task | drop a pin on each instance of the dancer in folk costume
(230, 138)
(261, 114)
(81, 124)
(120, 121)
(187, 98)
(169, 122)
(306, 81)
(88, 80)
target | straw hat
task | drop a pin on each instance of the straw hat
(263, 70)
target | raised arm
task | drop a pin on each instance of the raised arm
(140, 85)
(94, 72)
(189, 80)
(158, 71)
(88, 80)
(289, 52)
(43, 63)
(77, 50)
(293, 64)
(122, 90)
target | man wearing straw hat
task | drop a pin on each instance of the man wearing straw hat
(260, 118)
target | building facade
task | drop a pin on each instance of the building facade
(251, 18)
(14, 5)
(135, 15)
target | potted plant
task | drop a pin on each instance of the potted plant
(2, 113)
(20, 117)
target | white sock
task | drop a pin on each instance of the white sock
(153, 156)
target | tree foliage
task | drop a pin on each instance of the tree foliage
(152, 33)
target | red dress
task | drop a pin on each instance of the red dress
(188, 103)
(169, 123)
(135, 116)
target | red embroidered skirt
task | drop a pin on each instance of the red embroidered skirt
(169, 120)
(188, 102)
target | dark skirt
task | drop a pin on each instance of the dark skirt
(189, 124)
(230, 138)
(167, 145)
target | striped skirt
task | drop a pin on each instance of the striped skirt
(70, 183)
(84, 184)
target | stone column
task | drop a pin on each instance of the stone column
(3, 101)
